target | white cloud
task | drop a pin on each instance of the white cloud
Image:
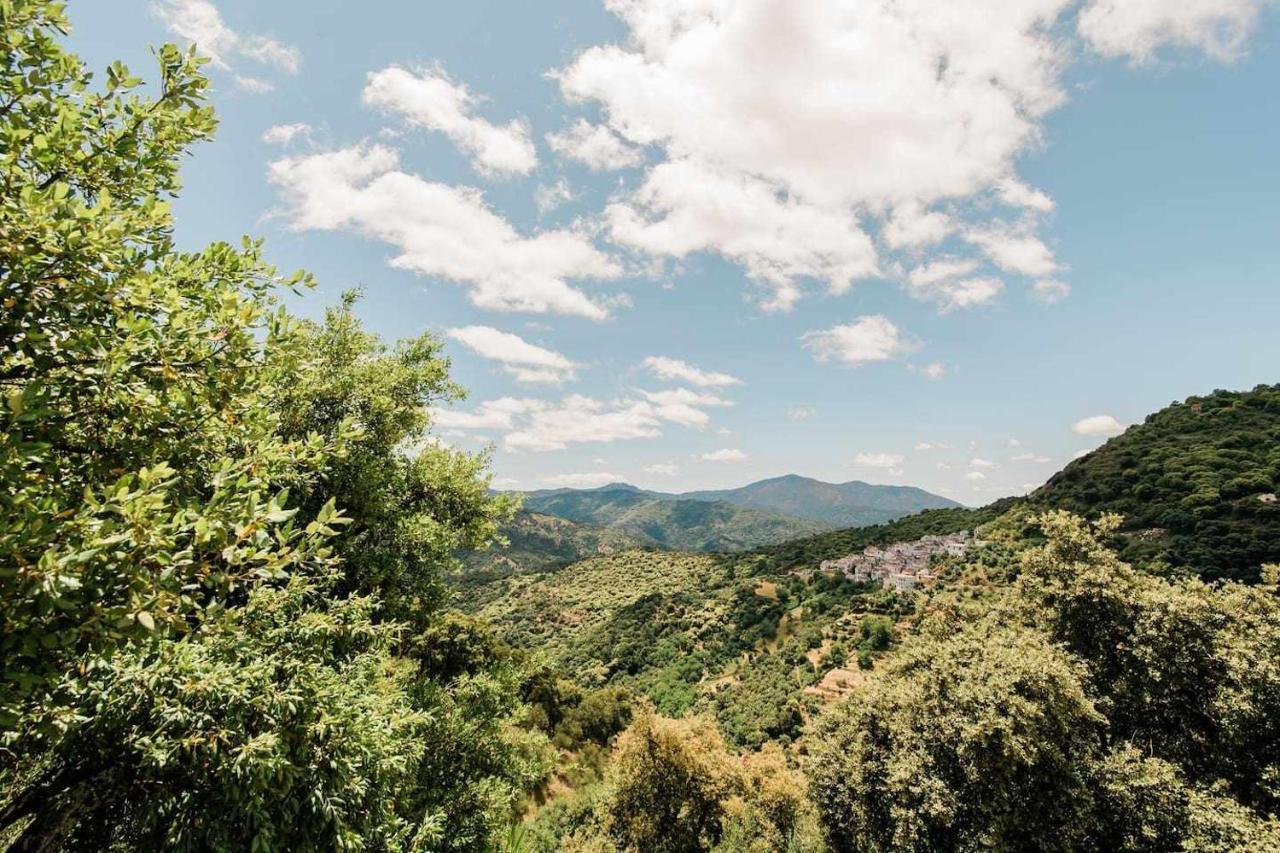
(672, 368)
(525, 361)
(978, 462)
(801, 413)
(1050, 291)
(283, 134)
(934, 445)
(1015, 193)
(441, 230)
(1137, 29)
(1031, 457)
(933, 371)
(724, 455)
(1080, 454)
(548, 197)
(666, 469)
(877, 460)
(588, 480)
(595, 145)
(931, 105)
(541, 425)
(429, 99)
(866, 339)
(1013, 248)
(975, 476)
(491, 414)
(254, 85)
(949, 282)
(200, 22)
(581, 420)
(688, 205)
(911, 226)
(1098, 425)
(682, 406)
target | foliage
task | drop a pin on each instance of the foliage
(143, 471)
(536, 542)
(665, 521)
(284, 723)
(1092, 707)
(1195, 484)
(223, 528)
(979, 739)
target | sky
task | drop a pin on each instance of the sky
(694, 243)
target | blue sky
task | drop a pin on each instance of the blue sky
(946, 245)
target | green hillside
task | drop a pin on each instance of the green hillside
(851, 504)
(536, 542)
(1196, 483)
(689, 525)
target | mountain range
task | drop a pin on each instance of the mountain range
(560, 526)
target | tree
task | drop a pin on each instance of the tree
(980, 739)
(223, 528)
(143, 472)
(668, 785)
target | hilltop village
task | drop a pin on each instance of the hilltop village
(902, 565)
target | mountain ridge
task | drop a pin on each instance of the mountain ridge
(849, 504)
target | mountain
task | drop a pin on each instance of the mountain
(537, 542)
(668, 521)
(1196, 482)
(851, 504)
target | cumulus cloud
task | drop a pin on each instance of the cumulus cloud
(497, 414)
(932, 105)
(801, 413)
(867, 339)
(666, 469)
(1013, 248)
(683, 406)
(1137, 29)
(588, 480)
(283, 134)
(548, 197)
(933, 371)
(950, 283)
(200, 22)
(1050, 291)
(595, 145)
(527, 362)
(1031, 457)
(672, 368)
(725, 454)
(978, 462)
(975, 476)
(689, 205)
(1104, 425)
(430, 99)
(542, 425)
(877, 460)
(441, 230)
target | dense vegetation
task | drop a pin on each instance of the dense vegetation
(223, 533)
(536, 542)
(665, 522)
(1196, 483)
(852, 504)
(225, 625)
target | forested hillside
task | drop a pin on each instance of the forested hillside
(670, 522)
(852, 504)
(1196, 482)
(535, 542)
(233, 613)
